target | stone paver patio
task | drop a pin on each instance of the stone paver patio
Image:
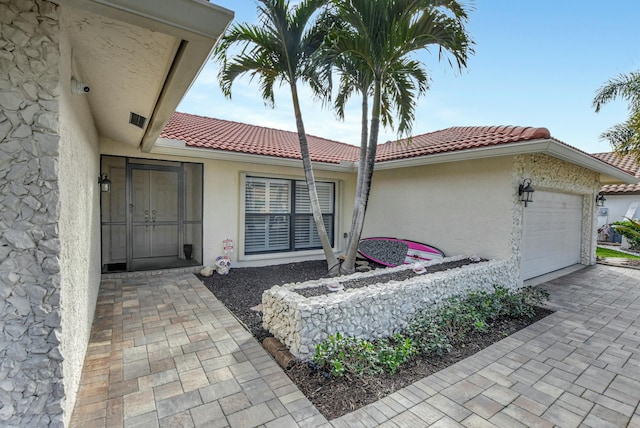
(165, 352)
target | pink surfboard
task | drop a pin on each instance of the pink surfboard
(394, 252)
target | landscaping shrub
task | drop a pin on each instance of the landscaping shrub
(430, 332)
(630, 229)
(340, 355)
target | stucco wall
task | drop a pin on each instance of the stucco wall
(79, 224)
(222, 202)
(547, 173)
(618, 206)
(462, 208)
(31, 386)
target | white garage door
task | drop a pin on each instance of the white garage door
(552, 234)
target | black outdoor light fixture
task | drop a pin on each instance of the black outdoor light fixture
(600, 200)
(525, 190)
(104, 182)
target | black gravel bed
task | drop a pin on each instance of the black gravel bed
(242, 288)
(391, 276)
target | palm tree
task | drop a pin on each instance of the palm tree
(624, 137)
(281, 49)
(371, 48)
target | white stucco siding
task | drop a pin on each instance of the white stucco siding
(79, 224)
(462, 208)
(222, 210)
(618, 205)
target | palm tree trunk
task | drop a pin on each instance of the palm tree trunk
(348, 265)
(333, 266)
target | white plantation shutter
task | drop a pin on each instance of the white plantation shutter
(325, 197)
(267, 196)
(270, 207)
(306, 233)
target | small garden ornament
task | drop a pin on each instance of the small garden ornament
(223, 265)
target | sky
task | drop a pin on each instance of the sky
(536, 63)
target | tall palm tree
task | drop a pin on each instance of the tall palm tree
(372, 47)
(624, 137)
(281, 49)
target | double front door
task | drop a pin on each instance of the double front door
(155, 216)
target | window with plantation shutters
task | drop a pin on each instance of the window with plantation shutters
(278, 215)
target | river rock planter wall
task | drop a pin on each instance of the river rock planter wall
(373, 311)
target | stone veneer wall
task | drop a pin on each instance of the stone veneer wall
(31, 386)
(374, 311)
(547, 173)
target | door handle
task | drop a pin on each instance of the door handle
(153, 219)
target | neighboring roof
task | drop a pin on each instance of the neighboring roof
(458, 138)
(210, 133)
(627, 163)
(234, 140)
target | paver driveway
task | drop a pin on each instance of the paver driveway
(165, 352)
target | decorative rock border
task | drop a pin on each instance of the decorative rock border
(374, 311)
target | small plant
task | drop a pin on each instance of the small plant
(430, 332)
(341, 355)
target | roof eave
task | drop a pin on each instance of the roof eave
(197, 23)
(167, 146)
(608, 173)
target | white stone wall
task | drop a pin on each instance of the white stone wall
(31, 386)
(374, 311)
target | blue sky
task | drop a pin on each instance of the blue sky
(537, 63)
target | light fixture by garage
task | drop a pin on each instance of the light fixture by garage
(104, 182)
(600, 200)
(525, 191)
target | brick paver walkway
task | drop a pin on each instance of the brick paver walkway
(165, 352)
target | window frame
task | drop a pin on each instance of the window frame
(291, 215)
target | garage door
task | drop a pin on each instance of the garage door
(552, 233)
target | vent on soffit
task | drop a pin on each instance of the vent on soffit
(137, 120)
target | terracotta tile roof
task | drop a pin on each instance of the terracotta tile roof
(458, 138)
(620, 188)
(200, 131)
(626, 163)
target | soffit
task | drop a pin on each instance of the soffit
(124, 65)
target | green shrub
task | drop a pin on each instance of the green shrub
(430, 332)
(341, 355)
(630, 229)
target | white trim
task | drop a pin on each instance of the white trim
(246, 259)
(548, 146)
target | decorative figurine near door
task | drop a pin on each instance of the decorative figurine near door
(223, 265)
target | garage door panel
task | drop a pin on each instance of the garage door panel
(552, 233)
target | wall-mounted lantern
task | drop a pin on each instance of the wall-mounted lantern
(525, 190)
(104, 182)
(600, 200)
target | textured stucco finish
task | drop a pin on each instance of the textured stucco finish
(222, 215)
(463, 208)
(79, 223)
